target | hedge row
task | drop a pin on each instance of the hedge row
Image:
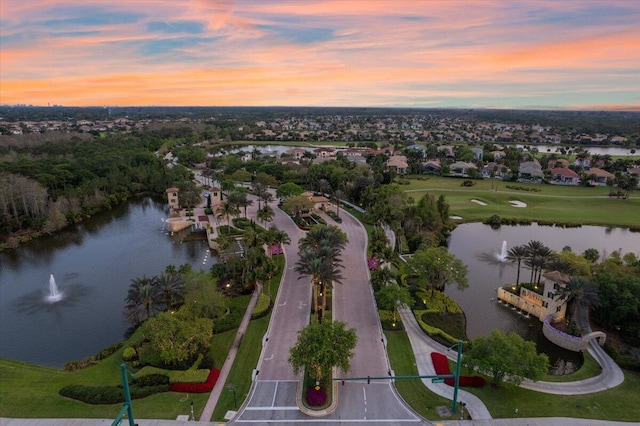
(197, 387)
(441, 366)
(262, 306)
(432, 331)
(438, 301)
(109, 394)
(175, 376)
(94, 359)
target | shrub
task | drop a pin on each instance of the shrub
(206, 363)
(108, 394)
(153, 379)
(467, 183)
(433, 331)
(228, 322)
(262, 307)
(207, 386)
(129, 354)
(493, 221)
(208, 211)
(316, 396)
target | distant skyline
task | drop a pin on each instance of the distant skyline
(571, 54)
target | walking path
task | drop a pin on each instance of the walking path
(207, 412)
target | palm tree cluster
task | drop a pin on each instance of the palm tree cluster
(244, 270)
(320, 258)
(536, 256)
(148, 296)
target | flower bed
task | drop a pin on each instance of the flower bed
(316, 396)
(441, 365)
(197, 387)
(276, 250)
(373, 263)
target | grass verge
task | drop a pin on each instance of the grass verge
(413, 391)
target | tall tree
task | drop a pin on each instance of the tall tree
(170, 287)
(580, 294)
(392, 297)
(143, 300)
(323, 346)
(435, 267)
(506, 357)
(517, 254)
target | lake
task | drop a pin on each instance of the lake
(93, 265)
(469, 242)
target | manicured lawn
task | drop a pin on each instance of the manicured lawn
(552, 203)
(403, 363)
(617, 404)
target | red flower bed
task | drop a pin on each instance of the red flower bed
(197, 387)
(315, 396)
(441, 365)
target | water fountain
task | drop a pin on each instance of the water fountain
(502, 256)
(55, 295)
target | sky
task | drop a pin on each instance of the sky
(556, 54)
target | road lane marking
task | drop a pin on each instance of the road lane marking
(275, 392)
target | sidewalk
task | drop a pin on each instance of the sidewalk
(228, 363)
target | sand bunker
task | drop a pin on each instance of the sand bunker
(515, 203)
(482, 203)
(455, 217)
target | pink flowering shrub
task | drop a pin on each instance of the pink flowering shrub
(316, 396)
(373, 263)
(276, 250)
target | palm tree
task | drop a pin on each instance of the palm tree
(259, 189)
(323, 274)
(580, 293)
(143, 300)
(266, 214)
(323, 186)
(276, 237)
(517, 254)
(170, 286)
(244, 202)
(226, 211)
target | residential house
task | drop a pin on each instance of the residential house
(530, 171)
(540, 301)
(296, 153)
(325, 152)
(565, 176)
(461, 168)
(431, 167)
(498, 170)
(598, 176)
(498, 155)
(478, 153)
(399, 164)
(558, 163)
(447, 150)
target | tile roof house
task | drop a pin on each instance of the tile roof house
(398, 163)
(296, 153)
(598, 176)
(530, 171)
(498, 170)
(461, 168)
(432, 167)
(565, 176)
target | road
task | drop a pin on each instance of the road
(273, 396)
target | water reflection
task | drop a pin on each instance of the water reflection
(37, 301)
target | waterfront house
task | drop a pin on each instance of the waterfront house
(565, 176)
(539, 300)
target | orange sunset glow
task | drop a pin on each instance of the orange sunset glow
(411, 53)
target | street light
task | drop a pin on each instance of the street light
(456, 376)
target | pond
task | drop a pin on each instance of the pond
(92, 265)
(472, 242)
